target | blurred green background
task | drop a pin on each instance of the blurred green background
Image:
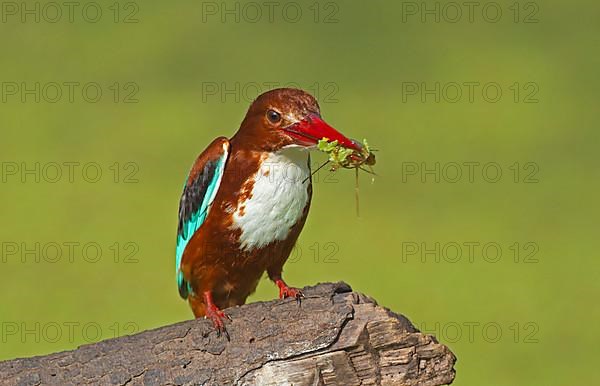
(515, 319)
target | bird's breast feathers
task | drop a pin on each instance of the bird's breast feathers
(274, 199)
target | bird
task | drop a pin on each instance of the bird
(245, 202)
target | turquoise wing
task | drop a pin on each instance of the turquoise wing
(198, 194)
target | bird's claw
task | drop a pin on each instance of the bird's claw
(289, 292)
(217, 316)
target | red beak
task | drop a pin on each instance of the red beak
(310, 130)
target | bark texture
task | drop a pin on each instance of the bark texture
(336, 337)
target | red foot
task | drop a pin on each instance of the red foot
(288, 292)
(215, 315)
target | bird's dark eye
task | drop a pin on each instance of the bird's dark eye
(273, 116)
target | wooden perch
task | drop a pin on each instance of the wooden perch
(336, 337)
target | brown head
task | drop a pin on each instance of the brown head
(286, 117)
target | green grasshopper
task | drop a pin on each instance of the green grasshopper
(341, 157)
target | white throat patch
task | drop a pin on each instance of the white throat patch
(279, 195)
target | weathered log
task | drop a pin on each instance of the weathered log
(336, 337)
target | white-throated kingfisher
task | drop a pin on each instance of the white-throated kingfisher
(245, 202)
